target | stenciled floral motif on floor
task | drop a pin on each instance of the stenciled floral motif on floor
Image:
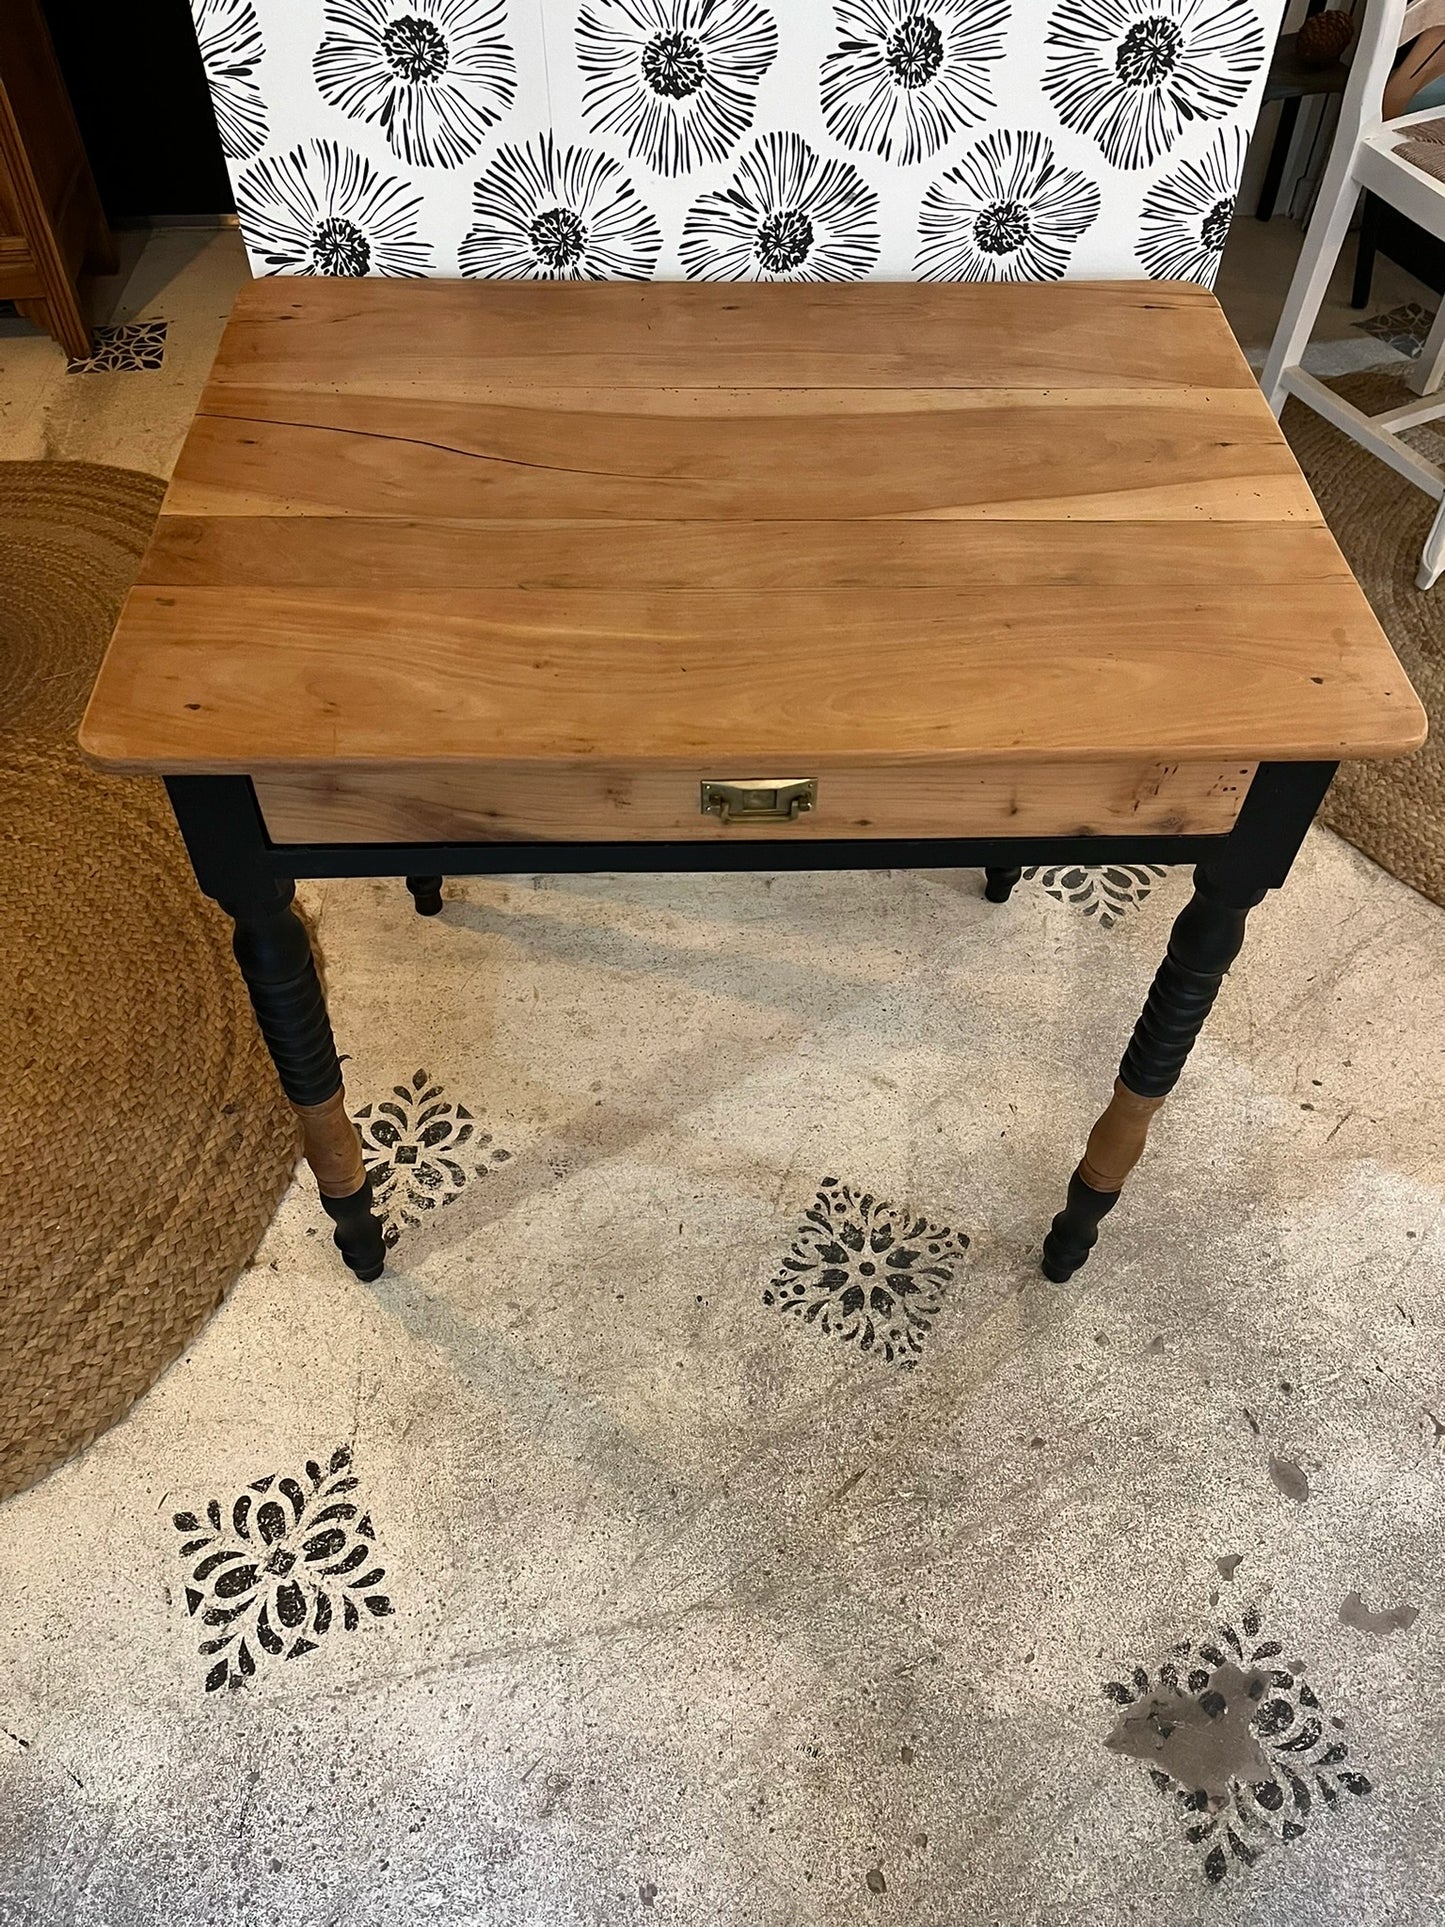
(1235, 1738)
(1404, 328)
(1105, 894)
(871, 1273)
(131, 346)
(421, 1150)
(285, 1563)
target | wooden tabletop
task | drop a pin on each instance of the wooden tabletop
(418, 522)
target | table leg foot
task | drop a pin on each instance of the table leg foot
(999, 883)
(358, 1235)
(1204, 942)
(1075, 1231)
(426, 894)
(274, 953)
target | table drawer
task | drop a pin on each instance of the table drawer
(589, 802)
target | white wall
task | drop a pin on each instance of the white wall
(737, 139)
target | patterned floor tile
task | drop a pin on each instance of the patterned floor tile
(870, 1273)
(1404, 328)
(1107, 893)
(421, 1149)
(1234, 1736)
(129, 348)
(278, 1567)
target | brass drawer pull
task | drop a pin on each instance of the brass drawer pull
(761, 799)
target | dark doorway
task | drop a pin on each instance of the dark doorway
(139, 90)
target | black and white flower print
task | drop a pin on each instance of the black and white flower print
(785, 216)
(1008, 212)
(324, 209)
(286, 1562)
(551, 213)
(420, 1150)
(906, 75)
(675, 80)
(870, 1273)
(1186, 217)
(434, 75)
(1134, 74)
(1300, 1761)
(231, 48)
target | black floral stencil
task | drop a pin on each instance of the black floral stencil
(906, 75)
(1186, 217)
(549, 213)
(323, 209)
(676, 80)
(434, 75)
(131, 346)
(231, 49)
(871, 1273)
(786, 216)
(1134, 74)
(1007, 212)
(1296, 1764)
(420, 1150)
(1107, 893)
(288, 1561)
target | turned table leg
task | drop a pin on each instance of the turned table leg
(274, 953)
(999, 883)
(236, 864)
(426, 894)
(1207, 937)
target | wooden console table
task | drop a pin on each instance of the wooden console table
(479, 577)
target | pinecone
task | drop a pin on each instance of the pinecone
(1323, 38)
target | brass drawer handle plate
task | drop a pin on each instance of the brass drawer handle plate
(761, 799)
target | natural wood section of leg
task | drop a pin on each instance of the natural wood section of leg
(587, 802)
(1116, 1142)
(332, 1146)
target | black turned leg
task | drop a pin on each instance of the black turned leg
(426, 894)
(1207, 937)
(236, 864)
(999, 883)
(274, 953)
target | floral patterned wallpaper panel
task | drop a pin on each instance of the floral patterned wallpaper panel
(748, 140)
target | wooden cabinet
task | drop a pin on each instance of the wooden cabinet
(52, 229)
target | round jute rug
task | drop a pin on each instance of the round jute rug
(144, 1142)
(1394, 812)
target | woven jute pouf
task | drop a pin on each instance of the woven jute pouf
(1394, 812)
(144, 1142)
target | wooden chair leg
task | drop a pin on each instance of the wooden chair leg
(999, 884)
(426, 894)
(274, 953)
(1205, 941)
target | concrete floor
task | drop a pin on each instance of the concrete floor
(647, 1595)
